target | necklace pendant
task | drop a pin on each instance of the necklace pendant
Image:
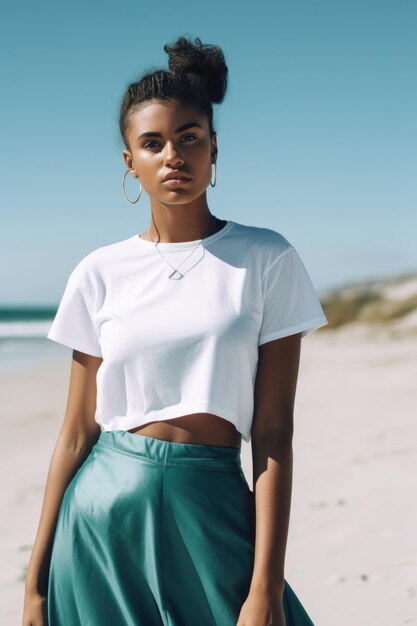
(178, 277)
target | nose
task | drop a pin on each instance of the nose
(172, 157)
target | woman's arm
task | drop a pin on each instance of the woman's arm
(272, 454)
(78, 434)
(272, 433)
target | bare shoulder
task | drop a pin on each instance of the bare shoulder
(79, 427)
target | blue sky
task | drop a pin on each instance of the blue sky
(317, 135)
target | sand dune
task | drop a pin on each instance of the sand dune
(389, 304)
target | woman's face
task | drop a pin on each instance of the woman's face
(160, 143)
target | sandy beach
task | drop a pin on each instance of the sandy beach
(352, 550)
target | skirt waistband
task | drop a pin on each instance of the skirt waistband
(168, 453)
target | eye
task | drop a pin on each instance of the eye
(193, 136)
(150, 144)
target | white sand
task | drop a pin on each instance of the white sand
(352, 550)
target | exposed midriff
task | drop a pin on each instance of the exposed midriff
(200, 428)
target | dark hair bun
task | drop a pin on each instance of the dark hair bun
(206, 60)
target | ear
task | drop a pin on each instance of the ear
(214, 149)
(129, 163)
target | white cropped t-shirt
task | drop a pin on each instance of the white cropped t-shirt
(172, 347)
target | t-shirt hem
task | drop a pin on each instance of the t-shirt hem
(73, 343)
(303, 327)
(126, 422)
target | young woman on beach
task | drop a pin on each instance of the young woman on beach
(185, 339)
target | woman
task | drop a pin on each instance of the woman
(185, 339)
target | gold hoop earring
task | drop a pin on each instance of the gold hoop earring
(124, 190)
(215, 174)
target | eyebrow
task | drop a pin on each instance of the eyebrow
(151, 133)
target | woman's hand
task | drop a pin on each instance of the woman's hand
(35, 609)
(261, 608)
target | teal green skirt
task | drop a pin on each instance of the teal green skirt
(155, 533)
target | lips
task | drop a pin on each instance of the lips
(176, 182)
(176, 175)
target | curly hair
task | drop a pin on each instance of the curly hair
(197, 76)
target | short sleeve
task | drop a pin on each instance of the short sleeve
(290, 302)
(73, 325)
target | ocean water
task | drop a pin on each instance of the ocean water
(23, 338)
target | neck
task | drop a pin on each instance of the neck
(204, 227)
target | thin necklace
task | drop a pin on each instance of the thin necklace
(179, 275)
